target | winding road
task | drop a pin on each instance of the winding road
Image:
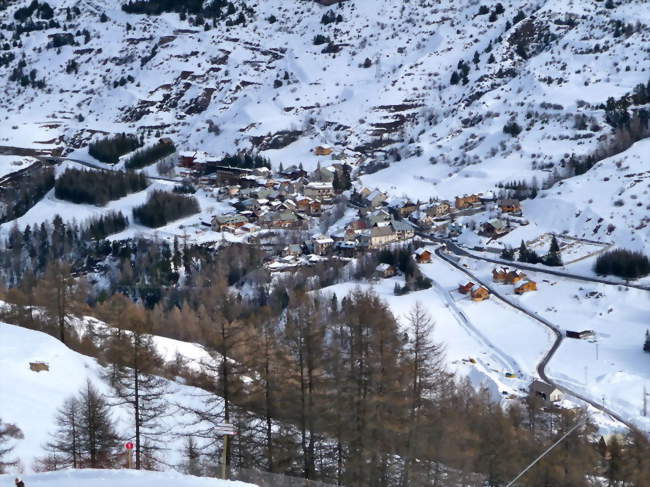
(463, 253)
(559, 335)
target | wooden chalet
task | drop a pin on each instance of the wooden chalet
(509, 206)
(480, 294)
(423, 256)
(324, 150)
(466, 201)
(465, 288)
(526, 287)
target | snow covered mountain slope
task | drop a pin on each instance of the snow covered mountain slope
(123, 478)
(384, 82)
(30, 399)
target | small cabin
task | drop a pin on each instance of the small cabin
(499, 274)
(579, 335)
(39, 367)
(465, 288)
(386, 270)
(547, 392)
(323, 150)
(480, 294)
(514, 276)
(526, 287)
(423, 256)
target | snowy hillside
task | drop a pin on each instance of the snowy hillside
(30, 399)
(385, 81)
(124, 478)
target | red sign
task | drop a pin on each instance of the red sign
(129, 446)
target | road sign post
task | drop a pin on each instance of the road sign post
(227, 430)
(129, 455)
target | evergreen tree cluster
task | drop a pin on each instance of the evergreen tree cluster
(343, 181)
(97, 187)
(213, 9)
(552, 258)
(110, 149)
(163, 207)
(527, 255)
(18, 75)
(246, 160)
(402, 260)
(43, 11)
(520, 190)
(149, 155)
(27, 189)
(646, 344)
(104, 225)
(624, 263)
(330, 17)
(85, 435)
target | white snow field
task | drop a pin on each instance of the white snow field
(611, 368)
(30, 399)
(115, 478)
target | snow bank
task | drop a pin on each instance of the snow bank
(123, 478)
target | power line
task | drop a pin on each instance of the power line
(579, 423)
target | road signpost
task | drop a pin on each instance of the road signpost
(227, 430)
(129, 454)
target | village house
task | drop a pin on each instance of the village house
(509, 206)
(308, 205)
(385, 270)
(494, 228)
(292, 250)
(423, 256)
(467, 201)
(322, 244)
(547, 392)
(465, 288)
(319, 190)
(345, 248)
(527, 286)
(376, 198)
(514, 276)
(499, 274)
(293, 172)
(379, 218)
(406, 208)
(438, 209)
(228, 222)
(380, 236)
(279, 219)
(480, 294)
(403, 229)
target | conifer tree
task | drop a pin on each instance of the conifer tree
(8, 433)
(135, 362)
(646, 345)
